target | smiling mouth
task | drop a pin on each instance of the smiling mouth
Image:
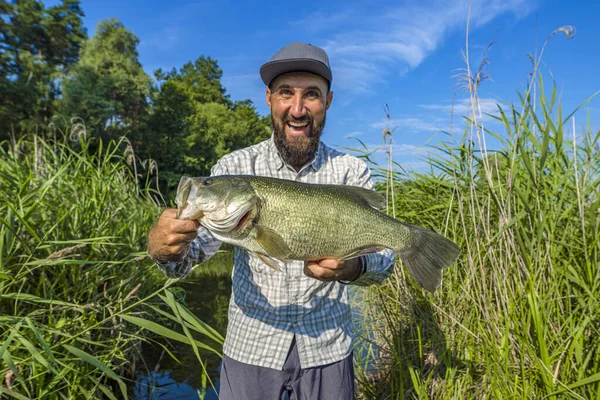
(298, 127)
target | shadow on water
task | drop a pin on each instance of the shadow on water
(206, 293)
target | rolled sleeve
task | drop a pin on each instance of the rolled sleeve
(378, 266)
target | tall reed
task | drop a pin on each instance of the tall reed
(75, 282)
(519, 315)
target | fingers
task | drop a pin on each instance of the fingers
(169, 239)
(168, 217)
(324, 270)
(330, 269)
(175, 239)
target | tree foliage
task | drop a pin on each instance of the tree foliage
(108, 88)
(37, 47)
(194, 122)
(183, 120)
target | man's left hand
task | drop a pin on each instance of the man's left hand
(331, 269)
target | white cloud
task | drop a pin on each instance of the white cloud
(463, 107)
(408, 156)
(410, 124)
(401, 38)
(398, 149)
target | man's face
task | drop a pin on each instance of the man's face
(298, 103)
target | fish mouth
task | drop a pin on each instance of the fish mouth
(225, 221)
(186, 207)
(181, 213)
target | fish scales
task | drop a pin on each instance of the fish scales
(321, 221)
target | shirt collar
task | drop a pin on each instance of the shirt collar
(276, 158)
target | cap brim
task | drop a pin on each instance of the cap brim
(273, 69)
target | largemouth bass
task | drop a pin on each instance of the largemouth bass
(286, 220)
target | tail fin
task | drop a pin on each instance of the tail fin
(428, 255)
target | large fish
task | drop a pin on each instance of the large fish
(286, 220)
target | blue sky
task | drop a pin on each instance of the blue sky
(402, 53)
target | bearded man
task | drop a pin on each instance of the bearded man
(289, 332)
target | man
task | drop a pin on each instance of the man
(289, 332)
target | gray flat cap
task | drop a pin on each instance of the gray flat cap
(297, 57)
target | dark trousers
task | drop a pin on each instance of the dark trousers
(241, 381)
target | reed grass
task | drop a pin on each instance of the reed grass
(77, 292)
(519, 316)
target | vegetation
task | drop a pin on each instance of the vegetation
(183, 120)
(70, 261)
(519, 315)
(83, 131)
(37, 47)
(73, 273)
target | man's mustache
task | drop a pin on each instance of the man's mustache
(304, 119)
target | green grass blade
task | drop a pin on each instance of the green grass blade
(165, 332)
(98, 364)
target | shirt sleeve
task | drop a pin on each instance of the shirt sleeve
(376, 266)
(201, 249)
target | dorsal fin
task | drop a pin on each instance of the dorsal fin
(366, 196)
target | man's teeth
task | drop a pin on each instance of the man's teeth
(296, 125)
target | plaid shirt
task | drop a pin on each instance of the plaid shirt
(267, 307)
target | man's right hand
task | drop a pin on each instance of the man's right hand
(170, 238)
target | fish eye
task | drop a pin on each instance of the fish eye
(207, 182)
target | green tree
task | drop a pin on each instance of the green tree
(108, 87)
(201, 81)
(216, 130)
(193, 121)
(37, 46)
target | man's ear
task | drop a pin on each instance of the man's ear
(268, 97)
(329, 99)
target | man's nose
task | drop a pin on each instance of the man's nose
(298, 110)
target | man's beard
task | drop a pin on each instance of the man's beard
(301, 150)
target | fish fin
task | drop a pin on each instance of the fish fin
(361, 252)
(269, 261)
(366, 196)
(429, 254)
(272, 242)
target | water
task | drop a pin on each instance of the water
(164, 386)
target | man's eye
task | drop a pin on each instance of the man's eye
(312, 94)
(285, 92)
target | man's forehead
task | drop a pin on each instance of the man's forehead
(300, 79)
